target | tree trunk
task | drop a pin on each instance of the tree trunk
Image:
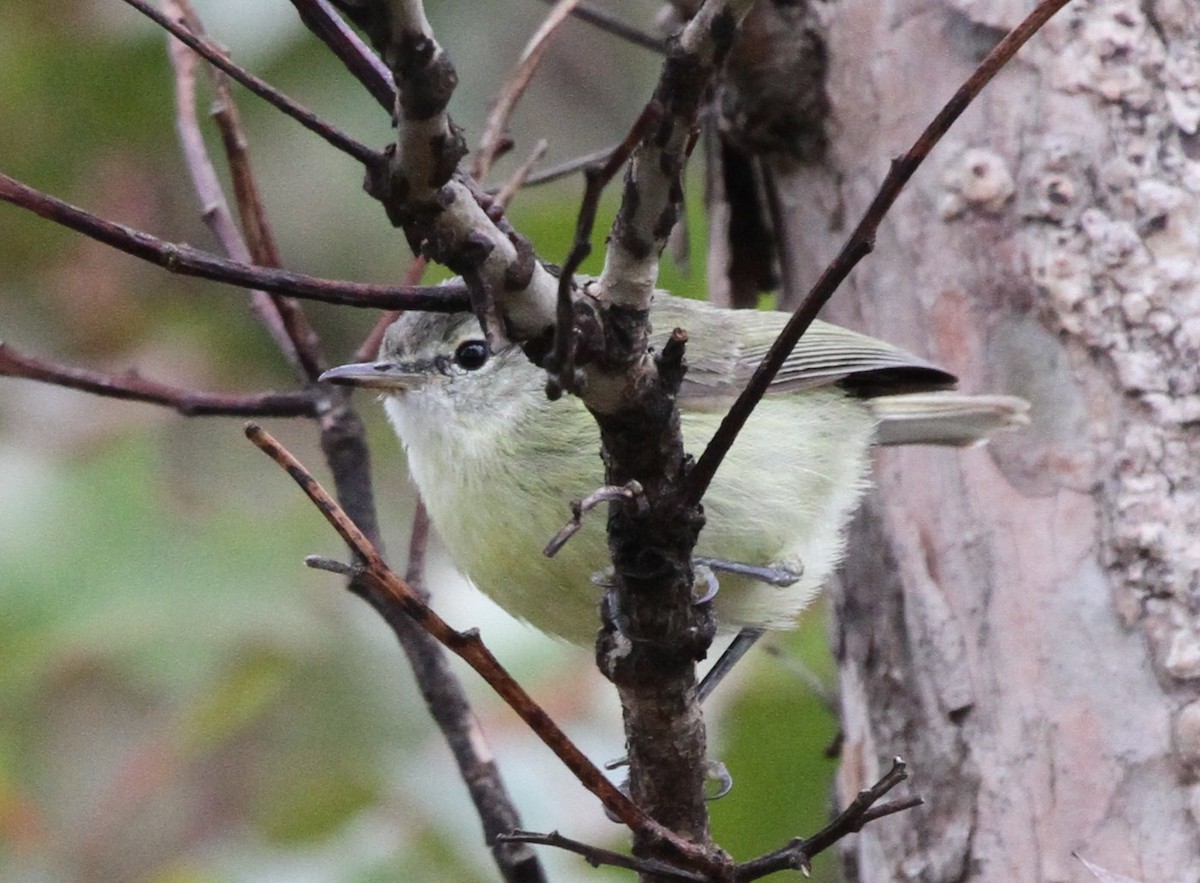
(1019, 621)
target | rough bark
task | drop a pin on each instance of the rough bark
(1020, 621)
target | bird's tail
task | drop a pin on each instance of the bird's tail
(945, 418)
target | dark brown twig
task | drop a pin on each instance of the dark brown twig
(320, 18)
(214, 55)
(863, 809)
(595, 856)
(134, 387)
(860, 243)
(188, 261)
(391, 592)
(605, 21)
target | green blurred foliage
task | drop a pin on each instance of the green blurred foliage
(180, 699)
(775, 739)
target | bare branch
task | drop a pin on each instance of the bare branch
(428, 144)
(132, 386)
(443, 212)
(651, 206)
(561, 365)
(517, 180)
(860, 243)
(605, 21)
(283, 320)
(863, 809)
(320, 18)
(570, 166)
(260, 238)
(216, 56)
(418, 544)
(188, 261)
(595, 856)
(495, 131)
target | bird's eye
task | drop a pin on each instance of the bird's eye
(471, 355)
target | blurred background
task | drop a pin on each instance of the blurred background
(180, 698)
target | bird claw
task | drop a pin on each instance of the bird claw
(717, 774)
(717, 781)
(705, 576)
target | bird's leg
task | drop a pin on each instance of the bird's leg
(746, 638)
(743, 641)
(773, 576)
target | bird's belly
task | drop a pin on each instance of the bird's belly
(773, 502)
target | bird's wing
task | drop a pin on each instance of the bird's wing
(721, 363)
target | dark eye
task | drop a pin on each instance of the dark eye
(471, 355)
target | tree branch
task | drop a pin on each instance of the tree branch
(595, 856)
(605, 21)
(495, 132)
(216, 56)
(320, 18)
(188, 261)
(131, 385)
(863, 809)
(282, 317)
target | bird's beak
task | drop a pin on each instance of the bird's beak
(372, 375)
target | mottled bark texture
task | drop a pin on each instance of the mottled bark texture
(1020, 621)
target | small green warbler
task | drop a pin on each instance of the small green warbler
(496, 462)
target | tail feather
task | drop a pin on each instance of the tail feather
(945, 418)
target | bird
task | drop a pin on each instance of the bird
(496, 461)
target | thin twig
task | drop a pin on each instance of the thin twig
(596, 856)
(605, 21)
(860, 243)
(517, 180)
(570, 166)
(863, 809)
(332, 565)
(259, 235)
(388, 589)
(495, 130)
(188, 261)
(269, 308)
(214, 54)
(418, 545)
(214, 209)
(320, 18)
(133, 386)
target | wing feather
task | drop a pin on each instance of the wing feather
(721, 362)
